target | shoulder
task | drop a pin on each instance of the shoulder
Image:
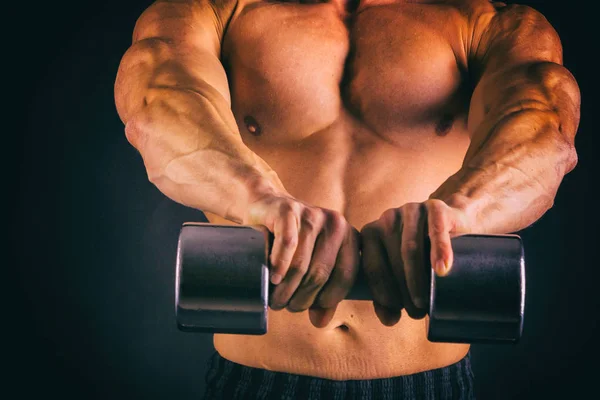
(488, 22)
(505, 16)
(183, 16)
(474, 10)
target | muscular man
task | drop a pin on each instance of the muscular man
(350, 129)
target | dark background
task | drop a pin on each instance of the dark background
(91, 313)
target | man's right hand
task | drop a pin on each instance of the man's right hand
(314, 257)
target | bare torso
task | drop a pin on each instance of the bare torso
(357, 113)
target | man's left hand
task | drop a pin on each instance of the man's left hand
(394, 259)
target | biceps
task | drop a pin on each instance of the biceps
(154, 63)
(175, 45)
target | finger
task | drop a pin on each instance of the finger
(321, 265)
(439, 227)
(392, 241)
(344, 272)
(321, 317)
(284, 246)
(406, 258)
(413, 256)
(377, 270)
(387, 316)
(310, 225)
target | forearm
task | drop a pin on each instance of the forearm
(193, 157)
(523, 121)
(188, 138)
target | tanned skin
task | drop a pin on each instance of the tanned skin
(351, 131)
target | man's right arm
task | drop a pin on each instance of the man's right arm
(172, 94)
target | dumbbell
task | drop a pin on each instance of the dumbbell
(222, 285)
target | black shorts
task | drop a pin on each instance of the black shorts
(229, 380)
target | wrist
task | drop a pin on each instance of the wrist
(261, 186)
(466, 210)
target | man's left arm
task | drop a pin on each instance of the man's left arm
(523, 116)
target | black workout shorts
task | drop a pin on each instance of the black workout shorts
(228, 380)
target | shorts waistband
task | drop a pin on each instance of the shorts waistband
(228, 380)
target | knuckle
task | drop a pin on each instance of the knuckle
(411, 208)
(285, 207)
(434, 205)
(367, 230)
(310, 220)
(373, 229)
(336, 221)
(288, 240)
(317, 277)
(299, 266)
(390, 216)
(288, 206)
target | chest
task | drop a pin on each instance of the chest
(392, 65)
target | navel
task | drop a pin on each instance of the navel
(252, 126)
(444, 125)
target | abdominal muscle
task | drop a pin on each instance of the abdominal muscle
(361, 175)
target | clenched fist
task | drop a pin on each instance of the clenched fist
(314, 257)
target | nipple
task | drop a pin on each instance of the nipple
(252, 125)
(444, 125)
